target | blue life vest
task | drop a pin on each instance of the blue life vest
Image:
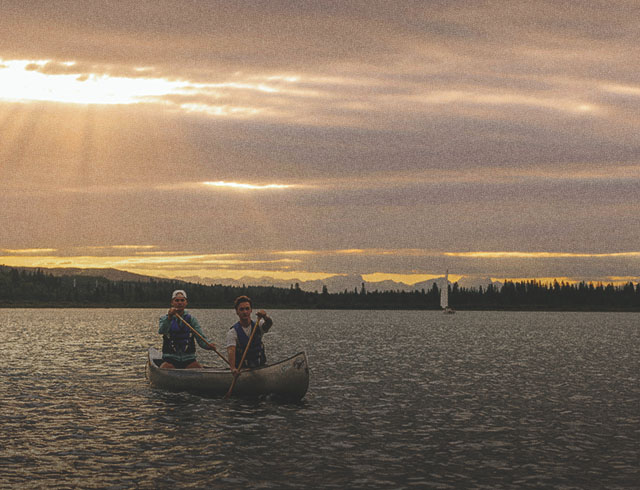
(255, 355)
(180, 338)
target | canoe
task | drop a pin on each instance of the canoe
(288, 379)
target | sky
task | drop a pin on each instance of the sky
(310, 139)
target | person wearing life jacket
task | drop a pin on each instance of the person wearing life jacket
(239, 334)
(178, 340)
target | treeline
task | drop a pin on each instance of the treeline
(36, 288)
(534, 295)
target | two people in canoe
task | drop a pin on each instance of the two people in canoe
(181, 330)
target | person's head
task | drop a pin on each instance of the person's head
(242, 305)
(179, 299)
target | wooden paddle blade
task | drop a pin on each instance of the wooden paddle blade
(233, 383)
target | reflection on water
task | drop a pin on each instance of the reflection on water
(396, 400)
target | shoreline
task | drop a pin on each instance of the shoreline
(302, 307)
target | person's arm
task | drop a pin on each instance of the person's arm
(165, 321)
(232, 337)
(231, 356)
(267, 323)
(164, 324)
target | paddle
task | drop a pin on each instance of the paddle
(198, 334)
(244, 354)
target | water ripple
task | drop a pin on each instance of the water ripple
(397, 400)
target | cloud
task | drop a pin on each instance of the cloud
(29, 251)
(430, 126)
(544, 255)
(408, 266)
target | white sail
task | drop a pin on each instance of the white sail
(444, 292)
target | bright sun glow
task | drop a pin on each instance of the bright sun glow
(237, 185)
(21, 81)
(70, 83)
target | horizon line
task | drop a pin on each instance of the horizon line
(611, 280)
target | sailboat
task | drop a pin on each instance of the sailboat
(444, 296)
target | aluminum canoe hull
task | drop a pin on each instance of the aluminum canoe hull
(287, 379)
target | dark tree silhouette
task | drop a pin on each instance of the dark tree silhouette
(36, 287)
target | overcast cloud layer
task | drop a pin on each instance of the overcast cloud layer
(410, 135)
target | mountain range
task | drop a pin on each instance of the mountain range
(338, 284)
(334, 284)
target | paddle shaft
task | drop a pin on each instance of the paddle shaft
(205, 340)
(244, 355)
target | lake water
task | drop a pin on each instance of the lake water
(397, 399)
